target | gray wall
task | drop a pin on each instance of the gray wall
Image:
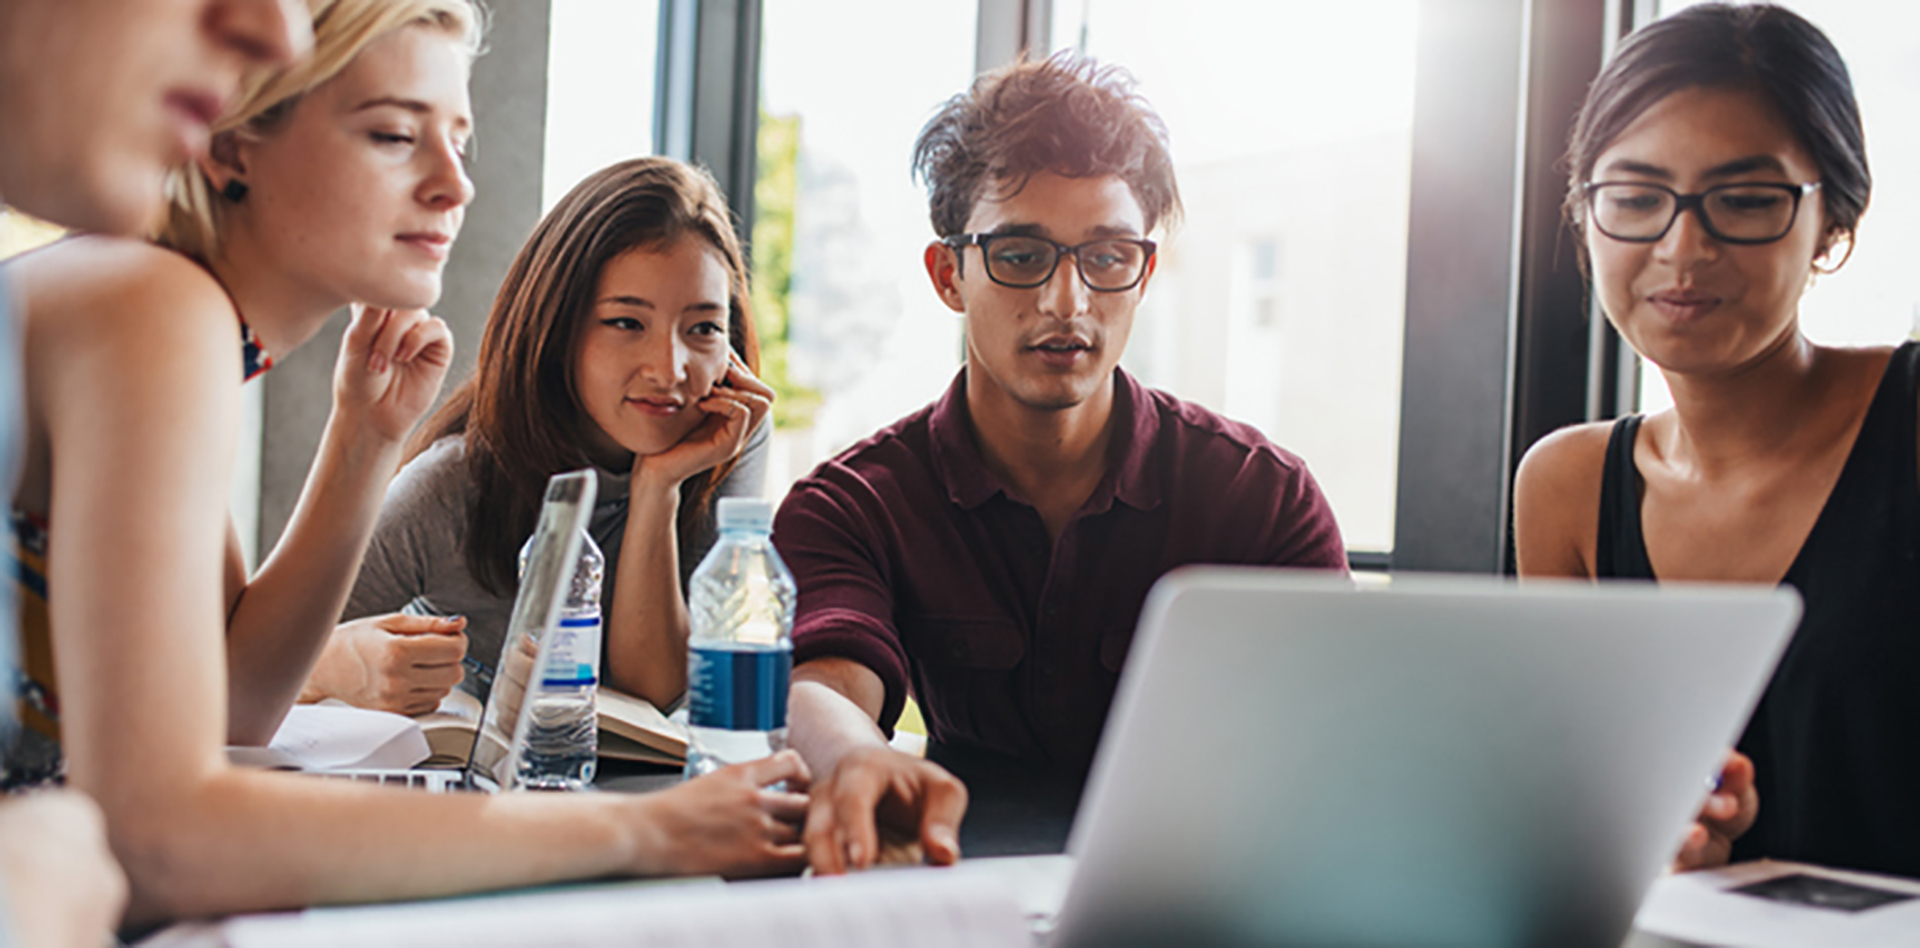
(510, 116)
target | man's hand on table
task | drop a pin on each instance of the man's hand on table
(882, 806)
(1729, 811)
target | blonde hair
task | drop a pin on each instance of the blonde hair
(342, 30)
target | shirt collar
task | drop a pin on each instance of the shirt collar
(1130, 479)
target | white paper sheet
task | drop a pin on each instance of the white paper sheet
(1700, 907)
(926, 908)
(332, 736)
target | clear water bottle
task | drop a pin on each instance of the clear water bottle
(740, 655)
(564, 743)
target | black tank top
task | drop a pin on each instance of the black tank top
(1835, 740)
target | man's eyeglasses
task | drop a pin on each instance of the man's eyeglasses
(1733, 213)
(1110, 265)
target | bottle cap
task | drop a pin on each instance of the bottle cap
(745, 513)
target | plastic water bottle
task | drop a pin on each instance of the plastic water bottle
(740, 605)
(564, 743)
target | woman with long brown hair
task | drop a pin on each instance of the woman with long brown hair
(621, 339)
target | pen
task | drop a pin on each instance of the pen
(479, 672)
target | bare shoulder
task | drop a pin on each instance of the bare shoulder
(1573, 454)
(1556, 501)
(124, 329)
(109, 290)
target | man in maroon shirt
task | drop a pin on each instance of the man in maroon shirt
(991, 552)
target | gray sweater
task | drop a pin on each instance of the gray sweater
(418, 553)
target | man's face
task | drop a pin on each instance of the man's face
(1054, 346)
(98, 98)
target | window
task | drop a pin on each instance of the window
(852, 335)
(1280, 299)
(600, 88)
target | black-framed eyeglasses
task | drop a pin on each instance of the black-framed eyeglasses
(1108, 265)
(1642, 213)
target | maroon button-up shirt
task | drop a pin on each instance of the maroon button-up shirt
(915, 561)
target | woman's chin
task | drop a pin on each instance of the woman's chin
(650, 444)
(402, 295)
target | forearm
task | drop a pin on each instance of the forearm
(646, 624)
(286, 613)
(832, 709)
(226, 843)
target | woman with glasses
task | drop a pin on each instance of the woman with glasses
(1718, 167)
(621, 339)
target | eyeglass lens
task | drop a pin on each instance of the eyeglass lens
(1030, 261)
(1735, 212)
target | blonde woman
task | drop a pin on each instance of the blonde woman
(337, 183)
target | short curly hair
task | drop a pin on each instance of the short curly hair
(1065, 115)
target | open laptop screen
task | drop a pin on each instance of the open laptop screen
(550, 566)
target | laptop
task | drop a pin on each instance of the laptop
(1291, 760)
(507, 721)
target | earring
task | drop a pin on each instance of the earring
(235, 191)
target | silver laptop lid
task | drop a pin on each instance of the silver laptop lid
(1465, 761)
(536, 607)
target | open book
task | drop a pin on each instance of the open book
(633, 729)
(450, 729)
(630, 729)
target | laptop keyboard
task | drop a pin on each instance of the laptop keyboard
(418, 779)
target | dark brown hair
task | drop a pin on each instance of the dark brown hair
(520, 413)
(1065, 115)
(1767, 49)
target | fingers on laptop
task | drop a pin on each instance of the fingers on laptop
(940, 815)
(882, 807)
(840, 819)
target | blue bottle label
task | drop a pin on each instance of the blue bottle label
(739, 689)
(574, 654)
